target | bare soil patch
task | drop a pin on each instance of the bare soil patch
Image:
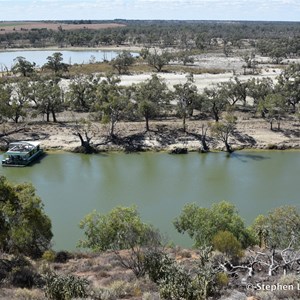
(8, 27)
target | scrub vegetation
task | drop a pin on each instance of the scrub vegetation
(125, 257)
(130, 259)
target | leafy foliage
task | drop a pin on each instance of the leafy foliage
(121, 229)
(279, 229)
(158, 61)
(178, 282)
(223, 130)
(104, 232)
(55, 63)
(202, 224)
(122, 62)
(21, 65)
(82, 93)
(187, 98)
(151, 97)
(157, 264)
(227, 243)
(24, 226)
(65, 287)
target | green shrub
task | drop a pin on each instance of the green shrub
(222, 279)
(49, 255)
(202, 224)
(177, 284)
(62, 257)
(65, 287)
(25, 228)
(112, 231)
(24, 277)
(227, 243)
(157, 265)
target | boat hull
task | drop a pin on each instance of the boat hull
(24, 163)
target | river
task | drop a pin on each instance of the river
(69, 57)
(72, 185)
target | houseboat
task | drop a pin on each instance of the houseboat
(21, 154)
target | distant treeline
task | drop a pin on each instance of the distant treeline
(202, 35)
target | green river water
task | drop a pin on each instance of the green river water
(72, 185)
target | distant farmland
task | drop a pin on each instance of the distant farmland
(8, 27)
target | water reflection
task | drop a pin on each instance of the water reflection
(246, 157)
(72, 185)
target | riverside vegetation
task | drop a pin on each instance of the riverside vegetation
(222, 115)
(130, 259)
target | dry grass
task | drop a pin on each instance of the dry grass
(140, 68)
(90, 69)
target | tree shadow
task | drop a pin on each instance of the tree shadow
(244, 138)
(246, 157)
(291, 133)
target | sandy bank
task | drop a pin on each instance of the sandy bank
(164, 136)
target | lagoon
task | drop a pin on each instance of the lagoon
(69, 57)
(159, 184)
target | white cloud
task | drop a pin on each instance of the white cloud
(151, 9)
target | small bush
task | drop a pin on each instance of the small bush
(65, 287)
(62, 257)
(20, 261)
(120, 288)
(227, 243)
(177, 285)
(222, 279)
(23, 277)
(49, 255)
(157, 265)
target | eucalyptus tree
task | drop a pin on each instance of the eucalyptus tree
(278, 53)
(202, 224)
(85, 130)
(289, 85)
(25, 228)
(186, 95)
(250, 62)
(55, 63)
(158, 61)
(224, 129)
(15, 101)
(111, 101)
(258, 90)
(122, 228)
(274, 108)
(214, 102)
(202, 40)
(234, 90)
(185, 57)
(5, 95)
(22, 66)
(49, 99)
(82, 93)
(279, 228)
(151, 97)
(122, 62)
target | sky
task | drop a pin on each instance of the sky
(253, 10)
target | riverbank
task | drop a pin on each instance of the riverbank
(164, 135)
(69, 48)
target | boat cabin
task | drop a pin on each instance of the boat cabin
(21, 153)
